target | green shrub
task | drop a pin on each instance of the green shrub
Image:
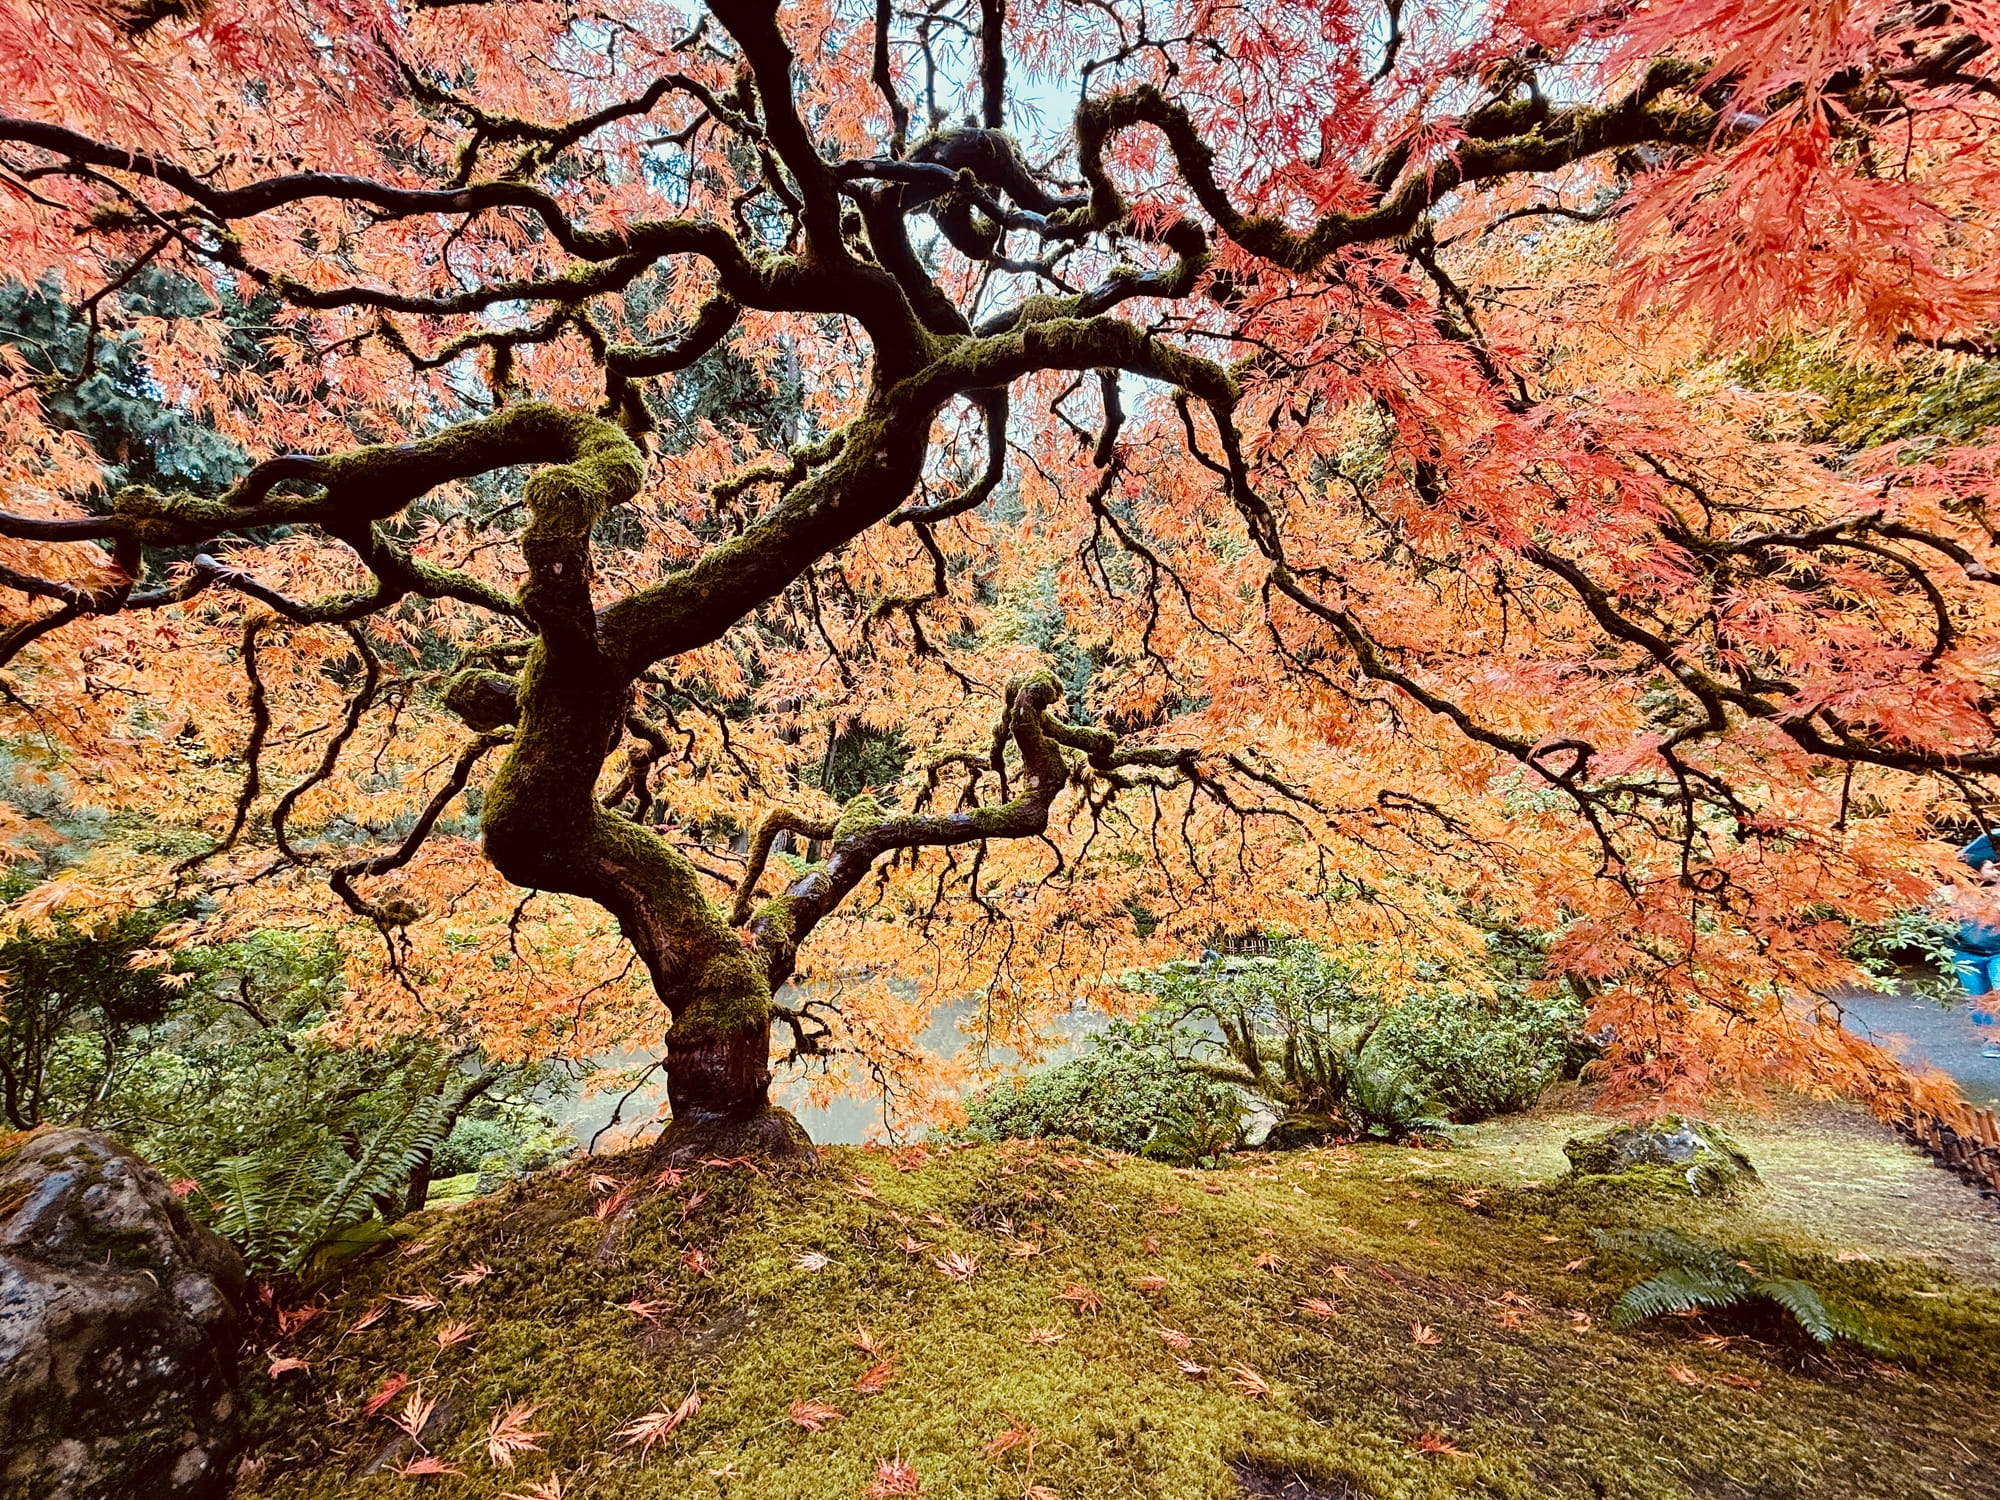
(1479, 1058)
(71, 1009)
(468, 1145)
(500, 1138)
(1319, 1037)
(1125, 1092)
(1915, 949)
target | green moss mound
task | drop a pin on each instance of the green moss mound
(1138, 1330)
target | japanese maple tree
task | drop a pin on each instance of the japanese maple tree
(1189, 467)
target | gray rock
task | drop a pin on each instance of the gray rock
(118, 1329)
(1703, 1154)
(1260, 1118)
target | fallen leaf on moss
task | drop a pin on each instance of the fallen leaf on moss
(507, 1434)
(1248, 1381)
(957, 1267)
(430, 1466)
(814, 1415)
(455, 1332)
(385, 1393)
(650, 1427)
(1437, 1446)
(1080, 1296)
(1017, 1435)
(876, 1377)
(893, 1477)
(416, 1414)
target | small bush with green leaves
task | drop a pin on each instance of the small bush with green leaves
(1126, 1092)
(1317, 1035)
(1476, 1057)
(71, 1007)
(1915, 948)
(500, 1138)
(1690, 1276)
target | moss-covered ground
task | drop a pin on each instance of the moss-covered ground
(1023, 1321)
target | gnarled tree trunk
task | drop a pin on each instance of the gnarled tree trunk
(545, 828)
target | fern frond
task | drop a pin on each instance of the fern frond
(378, 1171)
(1694, 1275)
(1802, 1302)
(263, 1200)
(1676, 1290)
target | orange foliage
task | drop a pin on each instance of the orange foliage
(1514, 606)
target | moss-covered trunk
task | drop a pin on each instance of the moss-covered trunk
(545, 829)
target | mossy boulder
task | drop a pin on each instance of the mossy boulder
(1302, 1128)
(1701, 1154)
(118, 1329)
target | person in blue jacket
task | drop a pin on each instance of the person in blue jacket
(1978, 946)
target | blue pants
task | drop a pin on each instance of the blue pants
(1979, 974)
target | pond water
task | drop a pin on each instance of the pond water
(841, 1122)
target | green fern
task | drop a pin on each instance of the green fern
(1691, 1276)
(307, 1211)
(1381, 1101)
